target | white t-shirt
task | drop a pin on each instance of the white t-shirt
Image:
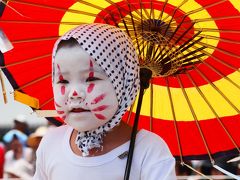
(152, 159)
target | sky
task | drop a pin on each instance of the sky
(15, 109)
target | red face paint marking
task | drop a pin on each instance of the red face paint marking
(100, 116)
(91, 63)
(90, 87)
(63, 117)
(75, 93)
(100, 108)
(58, 67)
(91, 74)
(98, 99)
(56, 104)
(60, 112)
(60, 77)
(63, 90)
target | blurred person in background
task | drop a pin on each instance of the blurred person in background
(34, 140)
(20, 169)
(21, 124)
(17, 150)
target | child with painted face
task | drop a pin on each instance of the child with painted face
(95, 80)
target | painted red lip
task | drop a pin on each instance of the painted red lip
(78, 110)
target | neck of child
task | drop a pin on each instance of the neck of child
(114, 138)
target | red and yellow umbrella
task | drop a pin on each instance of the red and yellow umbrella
(192, 47)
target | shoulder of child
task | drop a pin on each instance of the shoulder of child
(153, 143)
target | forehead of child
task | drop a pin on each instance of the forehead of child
(71, 57)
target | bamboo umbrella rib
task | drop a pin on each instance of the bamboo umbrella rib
(220, 50)
(151, 107)
(179, 38)
(174, 120)
(137, 11)
(163, 10)
(121, 16)
(41, 22)
(175, 31)
(210, 19)
(220, 39)
(3, 87)
(34, 81)
(213, 111)
(221, 74)
(54, 8)
(195, 118)
(219, 60)
(198, 172)
(218, 90)
(160, 56)
(34, 40)
(217, 18)
(142, 16)
(152, 14)
(133, 24)
(201, 8)
(26, 60)
(46, 102)
(218, 30)
(121, 9)
(99, 8)
(175, 10)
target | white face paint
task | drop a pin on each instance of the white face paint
(84, 96)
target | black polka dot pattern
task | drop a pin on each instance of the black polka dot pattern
(114, 52)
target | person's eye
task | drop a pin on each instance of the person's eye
(89, 79)
(63, 81)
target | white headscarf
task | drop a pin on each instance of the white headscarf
(114, 52)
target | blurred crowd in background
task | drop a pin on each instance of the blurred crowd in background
(18, 149)
(18, 154)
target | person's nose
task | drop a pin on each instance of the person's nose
(77, 93)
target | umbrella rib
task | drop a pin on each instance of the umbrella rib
(151, 107)
(174, 119)
(42, 22)
(175, 31)
(218, 30)
(195, 117)
(99, 8)
(26, 61)
(218, 49)
(175, 10)
(3, 87)
(141, 15)
(219, 39)
(119, 11)
(219, 60)
(179, 38)
(34, 81)
(221, 74)
(46, 102)
(34, 40)
(217, 89)
(54, 8)
(164, 6)
(213, 111)
(133, 24)
(202, 8)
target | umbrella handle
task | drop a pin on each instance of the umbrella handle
(145, 76)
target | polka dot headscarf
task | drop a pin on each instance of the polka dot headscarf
(114, 52)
